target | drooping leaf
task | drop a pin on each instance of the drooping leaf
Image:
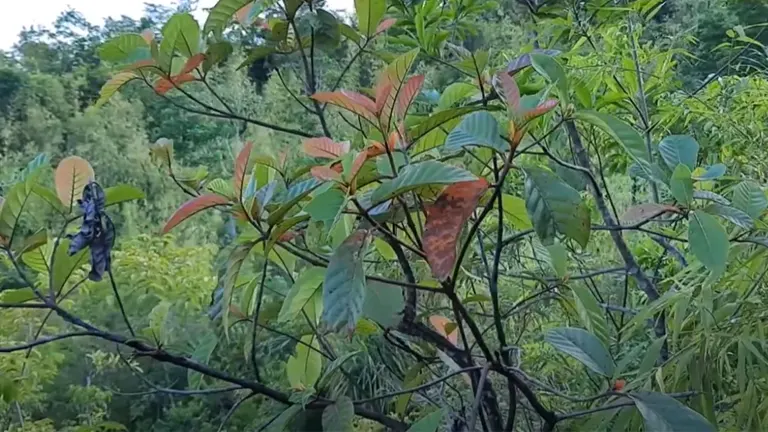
(113, 85)
(713, 172)
(621, 132)
(731, 214)
(446, 328)
(122, 193)
(220, 14)
(369, 13)
(305, 366)
(662, 413)
(591, 314)
(554, 206)
(708, 241)
(339, 415)
(749, 197)
(515, 212)
(681, 185)
(428, 423)
(301, 292)
(72, 174)
(383, 303)
(205, 346)
(444, 222)
(193, 206)
(325, 148)
(477, 129)
(679, 149)
(553, 71)
(344, 283)
(582, 346)
(420, 174)
(643, 212)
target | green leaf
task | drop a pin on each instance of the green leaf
(710, 196)
(681, 185)
(338, 416)
(234, 263)
(65, 265)
(333, 367)
(35, 167)
(216, 53)
(204, 348)
(327, 33)
(708, 241)
(455, 93)
(32, 242)
(256, 53)
(113, 85)
(515, 212)
(221, 187)
(591, 314)
(651, 356)
(291, 197)
(713, 172)
(582, 346)
(369, 13)
(284, 419)
(420, 174)
(621, 132)
(438, 119)
(344, 284)
(550, 68)
(383, 303)
(304, 367)
(428, 423)
(13, 207)
(652, 172)
(731, 214)
(384, 249)
(679, 149)
(326, 207)
(554, 206)
(122, 193)
(180, 34)
(301, 292)
(662, 413)
(120, 48)
(477, 129)
(750, 198)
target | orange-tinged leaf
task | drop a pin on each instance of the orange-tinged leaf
(192, 63)
(383, 89)
(385, 25)
(163, 85)
(375, 149)
(72, 174)
(148, 35)
(619, 384)
(287, 236)
(445, 220)
(193, 207)
(440, 323)
(243, 13)
(357, 164)
(510, 91)
(324, 173)
(351, 101)
(408, 93)
(325, 148)
(543, 108)
(241, 167)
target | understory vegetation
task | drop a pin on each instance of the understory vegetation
(429, 215)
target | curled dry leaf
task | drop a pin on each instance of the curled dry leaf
(445, 220)
(644, 212)
(72, 174)
(324, 173)
(325, 148)
(445, 327)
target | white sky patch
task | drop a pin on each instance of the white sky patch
(16, 15)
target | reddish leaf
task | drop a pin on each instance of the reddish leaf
(375, 149)
(357, 164)
(445, 220)
(241, 167)
(408, 93)
(325, 148)
(385, 25)
(192, 207)
(510, 91)
(243, 13)
(148, 35)
(543, 108)
(383, 89)
(192, 63)
(324, 173)
(288, 236)
(351, 101)
(163, 85)
(619, 384)
(440, 323)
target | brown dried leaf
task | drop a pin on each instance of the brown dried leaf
(445, 219)
(644, 212)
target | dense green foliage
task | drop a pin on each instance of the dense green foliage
(429, 215)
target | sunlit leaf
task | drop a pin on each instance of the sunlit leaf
(455, 93)
(121, 193)
(515, 212)
(72, 174)
(305, 366)
(439, 119)
(220, 14)
(120, 48)
(444, 222)
(180, 34)
(113, 85)
(369, 13)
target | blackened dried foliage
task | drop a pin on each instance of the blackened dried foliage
(96, 232)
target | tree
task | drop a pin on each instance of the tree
(431, 237)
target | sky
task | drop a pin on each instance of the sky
(19, 14)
